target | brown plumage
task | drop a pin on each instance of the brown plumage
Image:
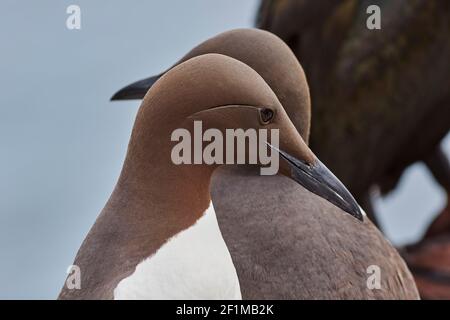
(285, 242)
(155, 199)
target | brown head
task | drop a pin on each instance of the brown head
(268, 55)
(223, 93)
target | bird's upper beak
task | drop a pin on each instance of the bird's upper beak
(318, 179)
(136, 90)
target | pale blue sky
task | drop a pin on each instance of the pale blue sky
(63, 143)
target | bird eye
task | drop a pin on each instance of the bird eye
(266, 115)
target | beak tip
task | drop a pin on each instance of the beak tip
(352, 208)
(114, 98)
(117, 96)
(320, 180)
(359, 215)
(136, 90)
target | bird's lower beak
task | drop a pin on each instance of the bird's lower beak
(136, 90)
(318, 179)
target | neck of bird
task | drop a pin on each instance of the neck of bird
(155, 199)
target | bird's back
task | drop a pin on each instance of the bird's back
(286, 242)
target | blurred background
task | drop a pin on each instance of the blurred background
(62, 142)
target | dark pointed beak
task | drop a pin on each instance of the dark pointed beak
(136, 90)
(318, 179)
